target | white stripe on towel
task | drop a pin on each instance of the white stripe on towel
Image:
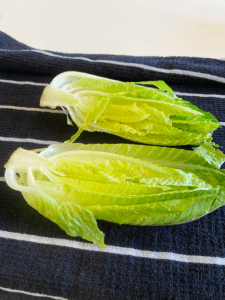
(31, 294)
(184, 258)
(26, 140)
(22, 82)
(200, 95)
(127, 64)
(32, 109)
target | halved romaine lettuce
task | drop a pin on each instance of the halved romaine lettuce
(130, 110)
(73, 185)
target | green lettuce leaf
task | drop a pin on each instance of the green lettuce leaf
(74, 185)
(149, 115)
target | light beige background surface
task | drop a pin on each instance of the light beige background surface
(130, 27)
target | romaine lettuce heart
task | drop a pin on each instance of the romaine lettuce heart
(74, 185)
(149, 115)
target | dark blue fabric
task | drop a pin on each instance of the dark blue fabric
(34, 62)
(85, 275)
(81, 274)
